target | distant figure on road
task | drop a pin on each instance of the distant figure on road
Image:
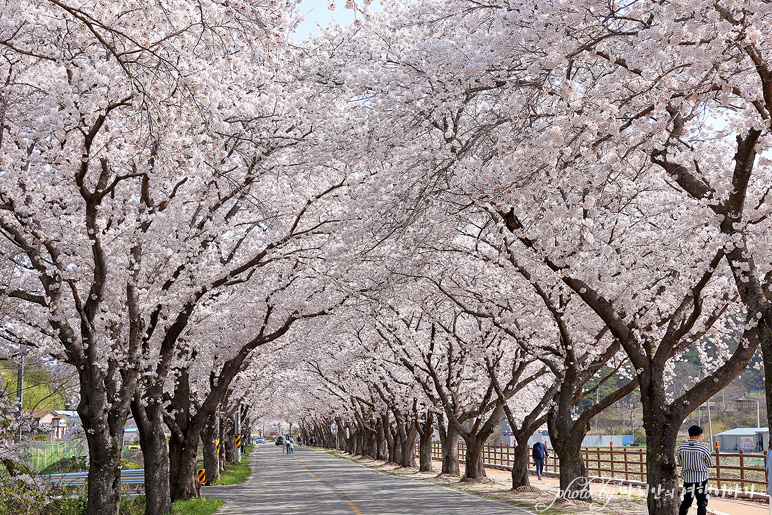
(540, 454)
(694, 458)
(289, 442)
(290, 446)
(311, 441)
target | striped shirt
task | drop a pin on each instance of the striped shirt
(694, 458)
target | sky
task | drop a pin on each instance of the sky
(317, 14)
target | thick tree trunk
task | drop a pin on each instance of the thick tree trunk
(520, 475)
(566, 438)
(396, 448)
(104, 435)
(425, 446)
(104, 472)
(229, 439)
(155, 454)
(382, 449)
(661, 473)
(449, 442)
(661, 424)
(390, 441)
(209, 437)
(372, 444)
(474, 468)
(183, 476)
(407, 441)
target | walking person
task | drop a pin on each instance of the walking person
(291, 447)
(540, 454)
(694, 458)
(287, 443)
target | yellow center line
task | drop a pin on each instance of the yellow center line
(353, 506)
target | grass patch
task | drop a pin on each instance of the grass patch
(235, 473)
(129, 506)
(136, 506)
(200, 506)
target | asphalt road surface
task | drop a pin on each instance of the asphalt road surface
(313, 482)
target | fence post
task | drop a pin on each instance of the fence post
(611, 445)
(718, 467)
(597, 458)
(742, 471)
(626, 454)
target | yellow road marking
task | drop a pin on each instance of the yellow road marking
(353, 506)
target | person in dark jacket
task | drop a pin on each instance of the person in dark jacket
(540, 454)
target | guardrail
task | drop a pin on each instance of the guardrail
(128, 477)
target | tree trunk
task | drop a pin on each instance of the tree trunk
(229, 439)
(474, 463)
(104, 435)
(425, 446)
(566, 438)
(449, 442)
(382, 450)
(155, 454)
(221, 447)
(661, 424)
(183, 476)
(396, 448)
(407, 440)
(209, 437)
(520, 464)
(661, 473)
(104, 472)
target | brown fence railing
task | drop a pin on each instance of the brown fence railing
(745, 472)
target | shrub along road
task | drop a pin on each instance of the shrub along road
(312, 481)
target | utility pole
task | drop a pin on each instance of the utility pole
(758, 418)
(20, 393)
(237, 430)
(710, 426)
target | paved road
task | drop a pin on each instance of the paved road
(313, 482)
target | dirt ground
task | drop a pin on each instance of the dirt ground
(543, 499)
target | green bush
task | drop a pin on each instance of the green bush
(20, 498)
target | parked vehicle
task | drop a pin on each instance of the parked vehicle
(260, 439)
(279, 440)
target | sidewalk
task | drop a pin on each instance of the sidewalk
(716, 506)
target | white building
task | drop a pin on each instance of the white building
(746, 439)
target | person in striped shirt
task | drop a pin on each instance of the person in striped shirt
(694, 458)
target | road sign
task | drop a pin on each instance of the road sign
(334, 429)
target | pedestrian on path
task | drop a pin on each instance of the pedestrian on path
(540, 454)
(694, 458)
(291, 447)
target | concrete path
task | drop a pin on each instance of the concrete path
(313, 482)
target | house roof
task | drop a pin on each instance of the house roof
(744, 398)
(744, 431)
(38, 413)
